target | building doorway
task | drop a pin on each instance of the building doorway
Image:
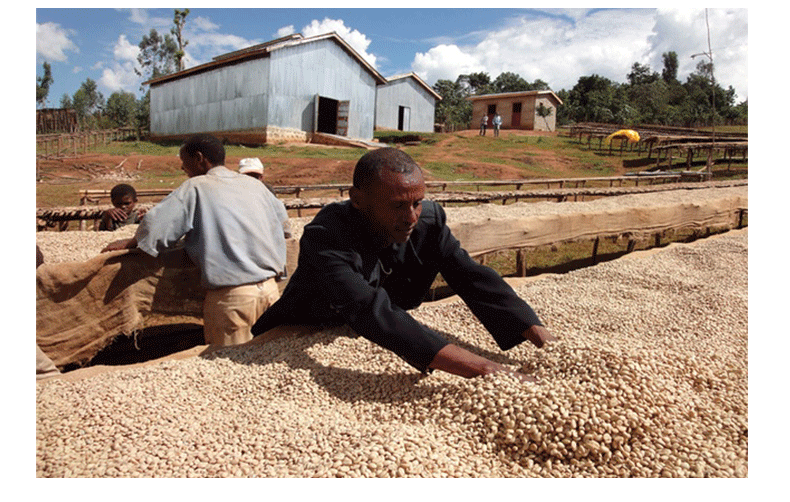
(331, 116)
(515, 122)
(404, 118)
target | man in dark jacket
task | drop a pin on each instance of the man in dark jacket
(366, 261)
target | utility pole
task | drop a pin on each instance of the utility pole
(709, 54)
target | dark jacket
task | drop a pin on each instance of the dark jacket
(343, 276)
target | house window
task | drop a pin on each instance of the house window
(517, 107)
(491, 109)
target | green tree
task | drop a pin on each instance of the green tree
(476, 83)
(121, 109)
(538, 85)
(65, 101)
(179, 19)
(157, 55)
(509, 82)
(454, 111)
(702, 94)
(143, 113)
(593, 99)
(42, 85)
(670, 71)
(88, 102)
(641, 74)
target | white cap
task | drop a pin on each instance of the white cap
(251, 165)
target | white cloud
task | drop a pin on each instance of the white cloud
(138, 16)
(202, 23)
(559, 46)
(358, 41)
(557, 49)
(120, 76)
(685, 32)
(125, 51)
(141, 17)
(445, 62)
(285, 31)
(204, 46)
(53, 42)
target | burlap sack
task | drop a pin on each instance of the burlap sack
(82, 306)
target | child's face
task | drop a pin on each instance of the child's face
(125, 203)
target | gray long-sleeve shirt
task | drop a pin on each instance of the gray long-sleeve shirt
(232, 224)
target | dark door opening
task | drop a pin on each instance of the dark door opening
(327, 115)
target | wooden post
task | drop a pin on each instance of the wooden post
(521, 262)
(595, 250)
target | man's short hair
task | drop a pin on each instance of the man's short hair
(118, 192)
(371, 165)
(211, 148)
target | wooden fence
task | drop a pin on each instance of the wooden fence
(93, 202)
(664, 141)
(59, 146)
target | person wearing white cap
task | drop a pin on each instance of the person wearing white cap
(251, 167)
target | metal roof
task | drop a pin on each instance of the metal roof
(263, 50)
(512, 95)
(419, 81)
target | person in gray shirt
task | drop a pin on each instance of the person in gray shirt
(232, 227)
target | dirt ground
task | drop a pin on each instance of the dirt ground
(103, 171)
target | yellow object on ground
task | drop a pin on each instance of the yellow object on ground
(631, 135)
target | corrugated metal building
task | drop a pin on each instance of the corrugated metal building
(406, 103)
(282, 90)
(519, 110)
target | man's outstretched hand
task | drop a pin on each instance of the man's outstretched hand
(459, 361)
(539, 336)
(120, 244)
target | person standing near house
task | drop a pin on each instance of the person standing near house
(497, 122)
(233, 231)
(483, 124)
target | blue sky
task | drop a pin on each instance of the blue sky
(555, 45)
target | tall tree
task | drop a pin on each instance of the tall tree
(476, 83)
(593, 99)
(509, 82)
(641, 74)
(454, 111)
(157, 55)
(42, 85)
(179, 18)
(670, 71)
(121, 109)
(65, 101)
(88, 102)
(538, 85)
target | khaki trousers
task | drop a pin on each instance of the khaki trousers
(229, 313)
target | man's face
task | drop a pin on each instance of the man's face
(392, 204)
(125, 203)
